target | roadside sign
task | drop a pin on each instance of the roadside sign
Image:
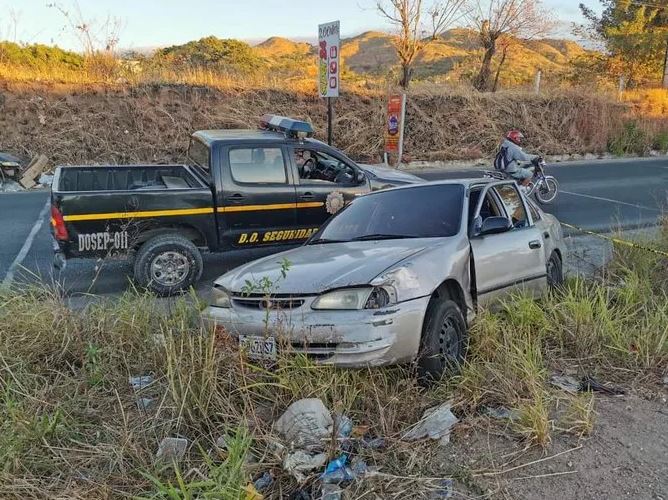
(329, 59)
(394, 126)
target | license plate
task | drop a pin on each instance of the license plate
(257, 347)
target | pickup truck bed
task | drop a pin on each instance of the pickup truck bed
(127, 178)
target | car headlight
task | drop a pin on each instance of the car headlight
(353, 299)
(220, 297)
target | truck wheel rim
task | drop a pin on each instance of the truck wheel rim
(170, 268)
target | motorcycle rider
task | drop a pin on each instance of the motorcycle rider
(510, 157)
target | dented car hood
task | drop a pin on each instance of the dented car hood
(317, 268)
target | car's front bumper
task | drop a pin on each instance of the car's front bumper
(342, 338)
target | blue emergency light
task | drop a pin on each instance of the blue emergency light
(288, 126)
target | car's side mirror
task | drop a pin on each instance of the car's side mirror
(495, 225)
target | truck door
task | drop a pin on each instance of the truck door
(256, 205)
(507, 261)
(324, 183)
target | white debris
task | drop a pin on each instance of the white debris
(565, 382)
(145, 403)
(9, 186)
(306, 424)
(299, 462)
(435, 424)
(172, 449)
(45, 179)
(141, 382)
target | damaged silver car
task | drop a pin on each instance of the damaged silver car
(396, 276)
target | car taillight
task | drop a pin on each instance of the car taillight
(58, 223)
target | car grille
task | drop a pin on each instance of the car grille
(315, 350)
(263, 302)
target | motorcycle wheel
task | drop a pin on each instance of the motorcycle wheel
(547, 191)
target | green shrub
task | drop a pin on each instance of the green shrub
(631, 139)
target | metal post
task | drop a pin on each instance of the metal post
(401, 128)
(665, 68)
(329, 121)
(539, 74)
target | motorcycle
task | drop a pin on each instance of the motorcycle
(544, 188)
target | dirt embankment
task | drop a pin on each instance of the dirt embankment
(152, 123)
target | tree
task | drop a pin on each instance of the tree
(494, 19)
(634, 34)
(413, 35)
(212, 53)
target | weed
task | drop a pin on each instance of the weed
(580, 416)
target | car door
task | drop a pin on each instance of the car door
(509, 261)
(256, 205)
(318, 198)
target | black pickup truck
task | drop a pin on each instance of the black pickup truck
(268, 187)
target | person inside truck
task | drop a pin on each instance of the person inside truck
(319, 166)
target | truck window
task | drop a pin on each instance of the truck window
(318, 167)
(198, 152)
(257, 165)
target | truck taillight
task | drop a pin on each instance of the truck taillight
(58, 223)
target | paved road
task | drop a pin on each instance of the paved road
(600, 196)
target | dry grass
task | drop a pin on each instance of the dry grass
(149, 123)
(70, 425)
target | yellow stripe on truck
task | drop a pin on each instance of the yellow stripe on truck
(188, 211)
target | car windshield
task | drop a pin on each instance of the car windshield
(417, 212)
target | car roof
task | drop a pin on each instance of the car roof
(247, 135)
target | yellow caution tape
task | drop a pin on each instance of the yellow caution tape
(616, 240)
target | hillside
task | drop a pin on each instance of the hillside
(454, 55)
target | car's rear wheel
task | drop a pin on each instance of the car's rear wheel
(555, 271)
(443, 343)
(167, 264)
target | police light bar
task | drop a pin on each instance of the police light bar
(287, 126)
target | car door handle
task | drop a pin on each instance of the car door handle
(236, 197)
(535, 244)
(307, 196)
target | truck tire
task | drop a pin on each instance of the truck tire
(167, 264)
(443, 344)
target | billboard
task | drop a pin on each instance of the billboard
(329, 59)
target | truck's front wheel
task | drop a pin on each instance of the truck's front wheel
(168, 264)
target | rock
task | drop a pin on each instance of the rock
(306, 424)
(665, 380)
(172, 449)
(435, 424)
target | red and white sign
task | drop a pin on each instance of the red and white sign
(394, 127)
(329, 59)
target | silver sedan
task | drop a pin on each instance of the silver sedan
(396, 276)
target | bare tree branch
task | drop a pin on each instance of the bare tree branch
(406, 16)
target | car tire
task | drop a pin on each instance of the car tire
(167, 264)
(444, 340)
(555, 271)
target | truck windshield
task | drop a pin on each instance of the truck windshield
(198, 153)
(418, 212)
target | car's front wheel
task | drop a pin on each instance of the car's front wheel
(444, 337)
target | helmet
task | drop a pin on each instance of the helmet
(515, 136)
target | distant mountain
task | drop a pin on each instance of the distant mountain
(456, 54)
(280, 47)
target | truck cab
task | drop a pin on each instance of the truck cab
(274, 186)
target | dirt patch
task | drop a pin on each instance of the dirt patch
(152, 123)
(626, 456)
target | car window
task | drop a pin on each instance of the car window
(489, 207)
(513, 203)
(257, 165)
(535, 213)
(416, 212)
(318, 167)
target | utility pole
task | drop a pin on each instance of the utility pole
(664, 83)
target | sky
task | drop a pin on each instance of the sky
(157, 23)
